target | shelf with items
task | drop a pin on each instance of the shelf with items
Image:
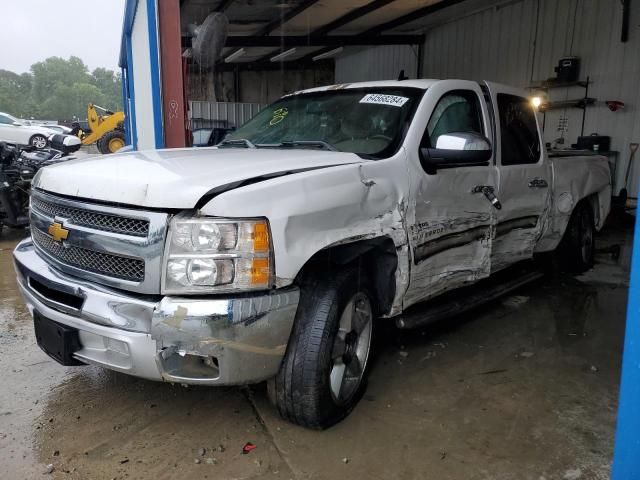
(550, 84)
(576, 103)
(581, 103)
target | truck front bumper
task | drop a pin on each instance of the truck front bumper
(210, 341)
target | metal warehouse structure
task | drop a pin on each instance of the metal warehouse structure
(274, 47)
(321, 42)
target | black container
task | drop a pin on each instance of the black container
(587, 142)
(568, 70)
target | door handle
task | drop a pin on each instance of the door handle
(488, 192)
(538, 183)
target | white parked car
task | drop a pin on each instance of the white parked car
(12, 130)
(57, 128)
(269, 256)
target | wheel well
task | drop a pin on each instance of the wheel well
(376, 256)
(593, 201)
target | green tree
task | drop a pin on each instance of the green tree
(70, 102)
(109, 83)
(15, 93)
(55, 71)
(59, 89)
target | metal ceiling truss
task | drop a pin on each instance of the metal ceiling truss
(319, 37)
(397, 22)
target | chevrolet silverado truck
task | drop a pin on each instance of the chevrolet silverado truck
(268, 257)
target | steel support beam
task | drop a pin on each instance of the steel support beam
(223, 5)
(339, 22)
(397, 22)
(278, 22)
(412, 16)
(351, 16)
(322, 40)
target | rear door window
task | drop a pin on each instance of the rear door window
(520, 142)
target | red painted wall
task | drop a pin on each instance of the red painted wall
(173, 104)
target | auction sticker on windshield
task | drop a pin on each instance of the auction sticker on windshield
(381, 99)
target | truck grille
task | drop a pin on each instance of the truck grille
(98, 262)
(96, 220)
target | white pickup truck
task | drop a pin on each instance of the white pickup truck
(269, 256)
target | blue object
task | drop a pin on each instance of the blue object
(155, 73)
(626, 457)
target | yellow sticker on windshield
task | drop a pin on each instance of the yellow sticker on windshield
(278, 116)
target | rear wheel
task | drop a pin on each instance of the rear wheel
(38, 141)
(577, 248)
(323, 374)
(111, 142)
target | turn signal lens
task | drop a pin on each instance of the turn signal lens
(260, 237)
(260, 271)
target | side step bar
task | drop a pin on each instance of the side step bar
(463, 300)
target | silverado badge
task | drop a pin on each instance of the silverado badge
(58, 232)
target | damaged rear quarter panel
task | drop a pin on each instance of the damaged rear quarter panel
(312, 210)
(576, 178)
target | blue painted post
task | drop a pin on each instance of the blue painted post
(626, 457)
(125, 106)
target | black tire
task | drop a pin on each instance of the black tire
(106, 142)
(303, 391)
(101, 146)
(38, 141)
(577, 248)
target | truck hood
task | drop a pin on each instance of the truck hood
(177, 178)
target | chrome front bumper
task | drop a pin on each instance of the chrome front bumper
(211, 341)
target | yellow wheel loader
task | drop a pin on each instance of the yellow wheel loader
(106, 130)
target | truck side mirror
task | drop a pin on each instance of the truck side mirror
(454, 150)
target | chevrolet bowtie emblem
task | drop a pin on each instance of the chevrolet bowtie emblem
(58, 232)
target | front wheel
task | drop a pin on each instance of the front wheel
(323, 374)
(38, 141)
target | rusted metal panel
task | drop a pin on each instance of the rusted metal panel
(171, 66)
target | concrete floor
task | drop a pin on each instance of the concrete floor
(525, 388)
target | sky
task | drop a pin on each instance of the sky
(33, 30)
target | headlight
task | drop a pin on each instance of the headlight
(216, 255)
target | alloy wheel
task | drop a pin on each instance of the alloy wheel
(351, 348)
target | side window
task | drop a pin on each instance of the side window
(5, 120)
(520, 142)
(456, 112)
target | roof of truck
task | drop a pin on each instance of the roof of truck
(419, 83)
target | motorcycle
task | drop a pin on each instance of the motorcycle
(18, 166)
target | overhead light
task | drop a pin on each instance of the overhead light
(284, 54)
(536, 101)
(328, 54)
(234, 55)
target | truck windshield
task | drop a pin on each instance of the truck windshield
(370, 122)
